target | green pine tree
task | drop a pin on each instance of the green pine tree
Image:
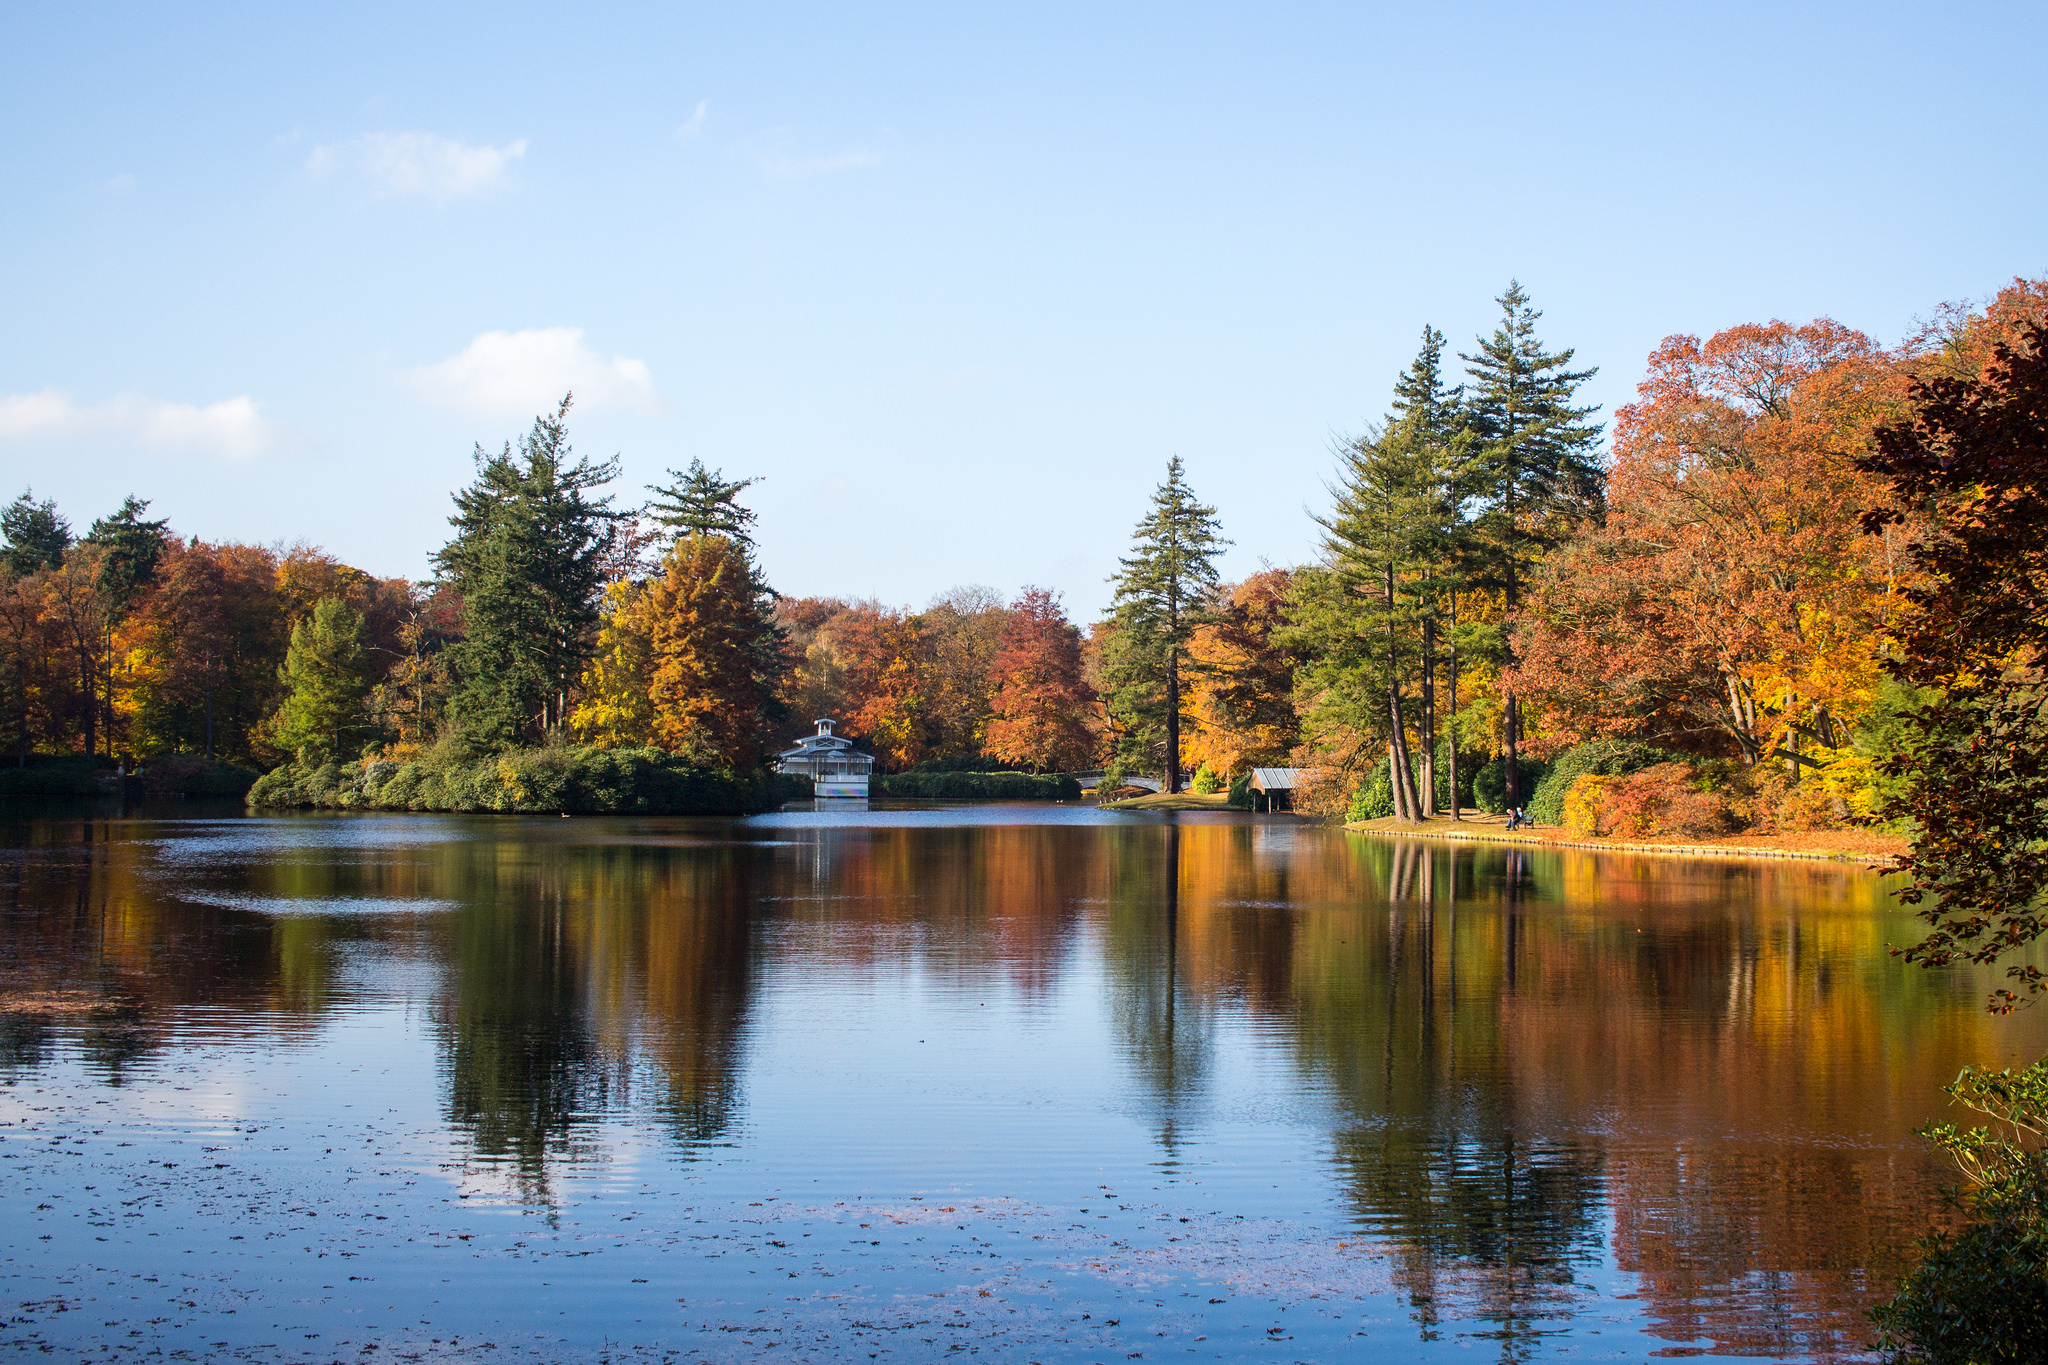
(702, 502)
(1535, 471)
(527, 561)
(134, 547)
(326, 674)
(36, 536)
(1162, 594)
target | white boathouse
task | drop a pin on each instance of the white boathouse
(834, 766)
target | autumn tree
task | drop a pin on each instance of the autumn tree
(181, 642)
(1162, 595)
(1535, 471)
(961, 632)
(35, 535)
(1041, 705)
(714, 652)
(527, 560)
(407, 702)
(1242, 676)
(326, 679)
(886, 665)
(813, 676)
(1727, 602)
(1971, 458)
(80, 610)
(615, 700)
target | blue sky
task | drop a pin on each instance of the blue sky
(956, 280)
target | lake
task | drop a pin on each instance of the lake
(1021, 1083)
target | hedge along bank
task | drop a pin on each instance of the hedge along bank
(564, 780)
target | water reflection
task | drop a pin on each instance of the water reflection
(1525, 1070)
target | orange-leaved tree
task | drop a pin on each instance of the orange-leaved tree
(1729, 601)
(1243, 695)
(1042, 706)
(715, 654)
(887, 668)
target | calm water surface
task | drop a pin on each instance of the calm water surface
(1024, 1083)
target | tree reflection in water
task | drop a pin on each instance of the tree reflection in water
(1522, 1067)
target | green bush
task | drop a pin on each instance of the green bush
(1490, 785)
(51, 775)
(1601, 757)
(1980, 1296)
(1207, 782)
(963, 763)
(569, 781)
(977, 786)
(195, 775)
(1241, 791)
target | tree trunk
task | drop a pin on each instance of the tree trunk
(1428, 793)
(1399, 774)
(1451, 730)
(1172, 720)
(209, 723)
(1511, 721)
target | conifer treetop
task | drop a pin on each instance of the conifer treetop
(703, 502)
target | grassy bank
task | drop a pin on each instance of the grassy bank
(567, 781)
(1837, 845)
(1175, 801)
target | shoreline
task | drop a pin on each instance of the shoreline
(1476, 832)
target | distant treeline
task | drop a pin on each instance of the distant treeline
(1729, 592)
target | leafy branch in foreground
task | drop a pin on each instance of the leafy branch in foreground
(1973, 460)
(1980, 1296)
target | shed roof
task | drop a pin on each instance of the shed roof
(1278, 779)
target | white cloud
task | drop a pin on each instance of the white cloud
(695, 126)
(787, 166)
(418, 163)
(523, 373)
(232, 427)
(776, 156)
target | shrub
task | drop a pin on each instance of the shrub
(1604, 757)
(1241, 791)
(1981, 1294)
(1663, 800)
(1206, 782)
(1490, 785)
(569, 781)
(1374, 799)
(72, 777)
(195, 775)
(978, 786)
(1583, 804)
(963, 763)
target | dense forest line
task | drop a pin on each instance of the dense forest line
(1708, 625)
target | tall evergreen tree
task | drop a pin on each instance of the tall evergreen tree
(1373, 543)
(703, 502)
(1162, 594)
(327, 677)
(36, 535)
(527, 560)
(1536, 469)
(134, 547)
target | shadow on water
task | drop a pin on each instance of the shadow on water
(1526, 1070)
